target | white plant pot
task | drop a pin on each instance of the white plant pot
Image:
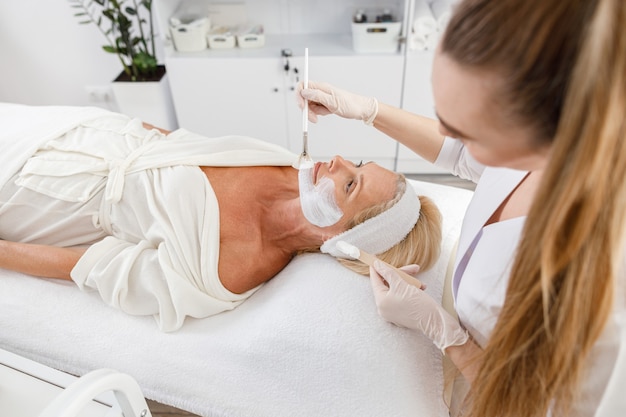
(150, 101)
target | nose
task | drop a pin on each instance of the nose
(336, 164)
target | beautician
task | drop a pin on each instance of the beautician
(531, 101)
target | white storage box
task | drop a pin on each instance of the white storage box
(376, 30)
(376, 37)
(190, 36)
(221, 38)
(252, 37)
(189, 25)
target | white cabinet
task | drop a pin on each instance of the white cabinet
(249, 92)
(378, 76)
(418, 99)
(255, 96)
(223, 96)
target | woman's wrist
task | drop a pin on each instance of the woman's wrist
(372, 112)
(466, 358)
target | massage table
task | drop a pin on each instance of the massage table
(308, 343)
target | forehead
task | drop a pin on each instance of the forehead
(471, 101)
(379, 184)
(463, 97)
(384, 174)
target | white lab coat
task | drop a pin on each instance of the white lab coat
(482, 267)
(147, 211)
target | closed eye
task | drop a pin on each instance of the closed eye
(350, 185)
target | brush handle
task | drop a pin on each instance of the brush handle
(369, 259)
(305, 110)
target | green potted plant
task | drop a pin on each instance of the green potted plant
(129, 30)
(128, 27)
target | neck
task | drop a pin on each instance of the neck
(284, 226)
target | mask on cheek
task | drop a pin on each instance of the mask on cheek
(318, 200)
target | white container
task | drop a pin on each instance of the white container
(251, 38)
(376, 37)
(150, 101)
(221, 38)
(190, 36)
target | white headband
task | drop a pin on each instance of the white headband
(383, 231)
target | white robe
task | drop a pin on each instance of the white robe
(147, 211)
(482, 267)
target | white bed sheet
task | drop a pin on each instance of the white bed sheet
(308, 343)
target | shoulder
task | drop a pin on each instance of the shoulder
(246, 265)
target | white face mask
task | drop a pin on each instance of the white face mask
(318, 200)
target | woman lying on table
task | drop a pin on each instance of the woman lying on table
(176, 225)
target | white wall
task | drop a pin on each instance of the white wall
(46, 57)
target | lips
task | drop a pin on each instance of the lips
(315, 171)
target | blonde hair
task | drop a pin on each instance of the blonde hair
(565, 68)
(422, 244)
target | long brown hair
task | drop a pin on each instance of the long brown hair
(563, 65)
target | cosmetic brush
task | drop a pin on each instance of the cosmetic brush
(305, 160)
(369, 259)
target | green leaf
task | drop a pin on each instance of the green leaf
(124, 25)
(145, 63)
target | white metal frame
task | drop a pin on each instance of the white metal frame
(110, 388)
(74, 398)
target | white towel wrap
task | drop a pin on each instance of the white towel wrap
(432, 41)
(424, 23)
(417, 42)
(442, 10)
(380, 233)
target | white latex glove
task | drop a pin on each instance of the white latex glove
(408, 306)
(325, 99)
